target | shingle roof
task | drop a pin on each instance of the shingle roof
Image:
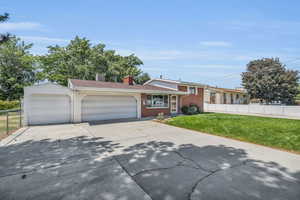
(101, 84)
(177, 82)
(228, 90)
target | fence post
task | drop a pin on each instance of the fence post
(20, 122)
(7, 123)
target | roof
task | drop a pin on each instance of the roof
(176, 82)
(192, 83)
(114, 85)
(228, 90)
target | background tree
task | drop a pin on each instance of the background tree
(4, 37)
(81, 60)
(298, 96)
(16, 68)
(143, 78)
(269, 80)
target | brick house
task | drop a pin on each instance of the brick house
(193, 92)
(87, 100)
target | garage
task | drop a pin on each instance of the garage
(49, 109)
(105, 107)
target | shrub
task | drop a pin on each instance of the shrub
(193, 109)
(6, 105)
(185, 109)
(190, 110)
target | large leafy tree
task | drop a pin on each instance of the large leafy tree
(16, 68)
(268, 79)
(298, 96)
(4, 37)
(143, 78)
(82, 60)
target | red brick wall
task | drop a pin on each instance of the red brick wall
(147, 112)
(186, 100)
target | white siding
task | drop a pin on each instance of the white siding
(164, 84)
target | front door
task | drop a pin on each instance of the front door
(174, 104)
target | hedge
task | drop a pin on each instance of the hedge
(6, 105)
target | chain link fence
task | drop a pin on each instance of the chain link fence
(10, 121)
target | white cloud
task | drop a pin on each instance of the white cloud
(11, 26)
(215, 44)
(38, 39)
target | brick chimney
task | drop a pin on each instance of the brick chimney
(128, 80)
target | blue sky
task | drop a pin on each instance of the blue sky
(204, 41)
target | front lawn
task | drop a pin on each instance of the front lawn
(274, 132)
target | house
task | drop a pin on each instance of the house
(215, 95)
(86, 100)
(194, 92)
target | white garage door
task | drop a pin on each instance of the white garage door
(96, 108)
(49, 109)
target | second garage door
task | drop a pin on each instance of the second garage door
(96, 108)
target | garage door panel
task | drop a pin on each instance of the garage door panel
(110, 109)
(96, 108)
(112, 112)
(49, 109)
(97, 117)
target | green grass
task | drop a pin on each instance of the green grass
(273, 132)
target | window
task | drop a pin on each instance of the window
(213, 97)
(157, 101)
(192, 90)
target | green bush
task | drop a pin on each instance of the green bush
(6, 105)
(190, 110)
(184, 109)
(193, 109)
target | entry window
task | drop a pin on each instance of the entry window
(157, 101)
(192, 90)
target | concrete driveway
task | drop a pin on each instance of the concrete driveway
(141, 160)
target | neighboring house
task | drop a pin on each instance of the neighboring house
(85, 101)
(214, 95)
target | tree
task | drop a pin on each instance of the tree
(16, 68)
(298, 96)
(269, 80)
(81, 60)
(143, 78)
(4, 37)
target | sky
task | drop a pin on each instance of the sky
(208, 42)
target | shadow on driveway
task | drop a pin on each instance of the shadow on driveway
(82, 168)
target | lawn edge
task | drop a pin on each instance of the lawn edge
(227, 137)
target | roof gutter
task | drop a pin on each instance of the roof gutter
(127, 90)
